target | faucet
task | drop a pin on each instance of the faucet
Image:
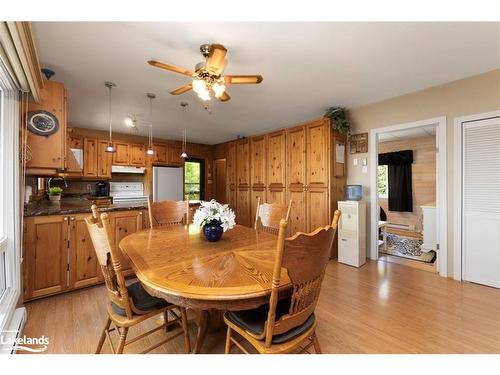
(56, 178)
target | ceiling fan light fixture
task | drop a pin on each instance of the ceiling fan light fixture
(201, 88)
(219, 89)
(129, 122)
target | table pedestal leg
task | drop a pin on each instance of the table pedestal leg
(202, 330)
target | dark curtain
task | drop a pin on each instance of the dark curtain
(399, 179)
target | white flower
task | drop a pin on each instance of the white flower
(214, 211)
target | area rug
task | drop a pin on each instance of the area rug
(407, 247)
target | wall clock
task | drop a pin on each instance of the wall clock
(42, 123)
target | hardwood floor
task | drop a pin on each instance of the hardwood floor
(380, 308)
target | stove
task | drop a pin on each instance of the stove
(127, 192)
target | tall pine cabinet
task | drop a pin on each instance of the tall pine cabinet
(297, 163)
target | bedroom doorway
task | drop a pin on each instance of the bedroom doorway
(408, 215)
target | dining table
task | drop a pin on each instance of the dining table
(178, 264)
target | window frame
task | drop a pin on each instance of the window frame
(10, 233)
(202, 175)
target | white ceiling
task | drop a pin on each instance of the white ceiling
(307, 67)
(423, 131)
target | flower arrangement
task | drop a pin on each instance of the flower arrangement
(214, 213)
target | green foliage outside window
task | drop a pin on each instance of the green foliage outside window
(192, 183)
(382, 185)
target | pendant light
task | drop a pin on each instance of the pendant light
(184, 154)
(110, 148)
(150, 151)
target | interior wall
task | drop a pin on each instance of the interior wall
(423, 170)
(476, 94)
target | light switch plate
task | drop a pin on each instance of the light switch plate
(364, 170)
(355, 161)
(364, 162)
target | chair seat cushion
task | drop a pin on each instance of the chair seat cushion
(142, 300)
(254, 320)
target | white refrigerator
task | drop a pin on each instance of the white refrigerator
(168, 184)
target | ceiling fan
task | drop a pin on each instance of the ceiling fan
(207, 75)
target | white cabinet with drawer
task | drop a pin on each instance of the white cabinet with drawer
(352, 233)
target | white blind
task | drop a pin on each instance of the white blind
(481, 166)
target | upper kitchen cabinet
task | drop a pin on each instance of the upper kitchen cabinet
(96, 161)
(174, 155)
(137, 155)
(121, 155)
(46, 130)
(160, 154)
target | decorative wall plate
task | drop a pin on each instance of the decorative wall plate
(42, 123)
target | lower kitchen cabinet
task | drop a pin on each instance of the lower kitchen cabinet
(45, 256)
(59, 255)
(82, 256)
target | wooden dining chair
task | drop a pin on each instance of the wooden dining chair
(166, 213)
(288, 324)
(269, 215)
(128, 305)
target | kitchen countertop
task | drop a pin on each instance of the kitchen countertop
(68, 206)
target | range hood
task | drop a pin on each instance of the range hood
(123, 169)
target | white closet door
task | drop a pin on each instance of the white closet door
(481, 202)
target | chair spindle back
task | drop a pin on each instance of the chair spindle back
(305, 256)
(109, 259)
(166, 213)
(269, 215)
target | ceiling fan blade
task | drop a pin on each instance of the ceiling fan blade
(224, 97)
(172, 68)
(182, 89)
(216, 60)
(243, 80)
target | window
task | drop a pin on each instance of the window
(194, 172)
(382, 184)
(10, 216)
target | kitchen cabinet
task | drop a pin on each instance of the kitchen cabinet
(90, 157)
(160, 155)
(104, 160)
(83, 262)
(290, 164)
(296, 178)
(96, 161)
(174, 152)
(59, 254)
(243, 182)
(258, 176)
(137, 155)
(121, 154)
(46, 256)
(49, 152)
(231, 174)
(276, 167)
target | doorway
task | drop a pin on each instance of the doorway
(437, 207)
(220, 180)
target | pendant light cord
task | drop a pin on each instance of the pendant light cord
(110, 132)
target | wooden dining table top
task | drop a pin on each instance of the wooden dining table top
(178, 264)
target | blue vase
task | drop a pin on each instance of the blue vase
(213, 231)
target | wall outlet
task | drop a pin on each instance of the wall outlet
(364, 170)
